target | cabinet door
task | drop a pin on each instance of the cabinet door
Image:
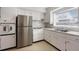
(47, 35)
(9, 14)
(37, 34)
(58, 40)
(36, 16)
(8, 11)
(72, 44)
(8, 41)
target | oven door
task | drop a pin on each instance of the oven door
(3, 29)
(11, 28)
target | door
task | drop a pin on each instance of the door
(19, 20)
(11, 28)
(24, 20)
(30, 21)
(19, 37)
(72, 44)
(37, 34)
(59, 40)
(30, 34)
(47, 36)
(3, 29)
(8, 41)
(27, 21)
(27, 36)
(24, 36)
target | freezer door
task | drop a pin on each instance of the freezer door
(30, 34)
(25, 36)
(24, 20)
(19, 37)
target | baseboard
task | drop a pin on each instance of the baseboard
(38, 41)
(34, 42)
(52, 45)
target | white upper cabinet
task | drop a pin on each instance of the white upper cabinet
(37, 16)
(23, 12)
(8, 14)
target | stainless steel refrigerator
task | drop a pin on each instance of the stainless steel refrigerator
(24, 33)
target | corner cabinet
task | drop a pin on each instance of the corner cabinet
(62, 41)
(72, 44)
(8, 41)
(37, 34)
(56, 39)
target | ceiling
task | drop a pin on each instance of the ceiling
(37, 9)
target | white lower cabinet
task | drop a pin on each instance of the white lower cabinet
(7, 41)
(55, 39)
(59, 40)
(72, 44)
(47, 36)
(37, 35)
(62, 41)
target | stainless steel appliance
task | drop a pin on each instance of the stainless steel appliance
(7, 35)
(24, 32)
(7, 28)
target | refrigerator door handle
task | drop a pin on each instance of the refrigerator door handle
(0, 43)
(4, 28)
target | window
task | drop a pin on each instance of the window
(68, 17)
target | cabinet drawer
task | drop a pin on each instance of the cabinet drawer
(8, 41)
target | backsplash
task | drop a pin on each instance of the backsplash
(68, 28)
(37, 23)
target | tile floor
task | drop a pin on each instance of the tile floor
(39, 46)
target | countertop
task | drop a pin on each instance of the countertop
(69, 32)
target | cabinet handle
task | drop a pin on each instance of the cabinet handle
(67, 41)
(14, 36)
(65, 49)
(76, 39)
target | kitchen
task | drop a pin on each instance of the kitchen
(53, 28)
